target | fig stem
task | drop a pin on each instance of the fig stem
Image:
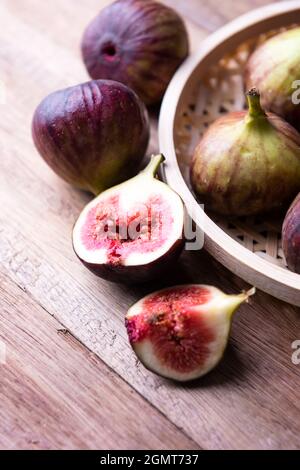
(249, 293)
(153, 165)
(253, 100)
(244, 296)
(236, 300)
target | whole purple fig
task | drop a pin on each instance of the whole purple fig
(247, 162)
(93, 135)
(136, 42)
(291, 236)
(274, 68)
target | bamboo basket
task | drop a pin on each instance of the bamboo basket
(207, 85)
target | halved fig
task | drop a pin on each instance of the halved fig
(131, 232)
(291, 236)
(181, 332)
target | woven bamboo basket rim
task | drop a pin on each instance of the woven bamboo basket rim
(269, 277)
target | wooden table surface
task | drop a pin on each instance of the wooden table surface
(70, 379)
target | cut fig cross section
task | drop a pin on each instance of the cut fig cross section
(131, 232)
(181, 332)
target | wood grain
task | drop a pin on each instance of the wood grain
(56, 394)
(211, 14)
(250, 401)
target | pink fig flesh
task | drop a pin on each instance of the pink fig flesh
(137, 43)
(131, 232)
(291, 236)
(92, 135)
(181, 332)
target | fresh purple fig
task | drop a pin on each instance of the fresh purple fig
(291, 236)
(247, 162)
(274, 67)
(182, 332)
(132, 232)
(136, 42)
(93, 135)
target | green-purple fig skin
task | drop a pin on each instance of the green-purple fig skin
(245, 167)
(273, 68)
(291, 236)
(93, 135)
(156, 270)
(137, 42)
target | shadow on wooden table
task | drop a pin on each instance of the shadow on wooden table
(194, 267)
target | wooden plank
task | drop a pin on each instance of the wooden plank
(211, 14)
(251, 400)
(56, 394)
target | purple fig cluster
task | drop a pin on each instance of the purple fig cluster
(95, 135)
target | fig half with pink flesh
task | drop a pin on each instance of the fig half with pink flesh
(181, 332)
(132, 232)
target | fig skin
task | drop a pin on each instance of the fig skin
(157, 266)
(247, 162)
(93, 135)
(273, 67)
(181, 332)
(291, 236)
(137, 274)
(136, 42)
